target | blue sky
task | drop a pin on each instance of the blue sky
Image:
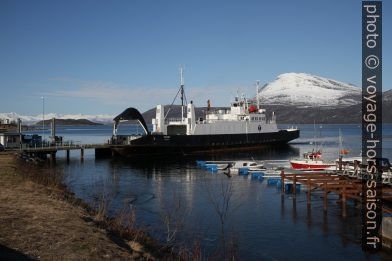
(99, 57)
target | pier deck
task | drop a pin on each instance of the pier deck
(346, 187)
(101, 150)
(66, 147)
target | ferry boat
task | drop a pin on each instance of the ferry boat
(243, 126)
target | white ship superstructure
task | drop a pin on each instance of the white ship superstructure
(242, 118)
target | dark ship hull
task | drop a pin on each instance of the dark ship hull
(164, 145)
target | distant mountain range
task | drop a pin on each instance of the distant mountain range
(30, 120)
(64, 122)
(295, 98)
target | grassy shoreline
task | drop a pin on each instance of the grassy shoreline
(41, 219)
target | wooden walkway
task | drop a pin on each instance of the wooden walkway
(65, 147)
(345, 187)
(100, 150)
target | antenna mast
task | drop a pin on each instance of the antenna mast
(182, 93)
(257, 94)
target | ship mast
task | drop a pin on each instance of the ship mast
(182, 93)
(183, 98)
(257, 94)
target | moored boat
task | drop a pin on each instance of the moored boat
(247, 166)
(311, 161)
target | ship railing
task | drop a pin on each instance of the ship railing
(169, 120)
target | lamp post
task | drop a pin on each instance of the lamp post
(43, 120)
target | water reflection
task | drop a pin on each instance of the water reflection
(267, 223)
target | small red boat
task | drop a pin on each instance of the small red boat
(312, 161)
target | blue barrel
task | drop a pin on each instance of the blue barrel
(243, 171)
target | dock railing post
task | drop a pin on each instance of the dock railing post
(282, 180)
(340, 163)
(356, 165)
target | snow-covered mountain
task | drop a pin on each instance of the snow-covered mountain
(13, 117)
(387, 96)
(301, 89)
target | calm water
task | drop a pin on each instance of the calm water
(265, 224)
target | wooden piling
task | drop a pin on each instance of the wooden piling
(345, 187)
(82, 154)
(53, 156)
(308, 193)
(325, 196)
(67, 152)
(344, 214)
(294, 185)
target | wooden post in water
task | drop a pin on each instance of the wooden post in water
(82, 154)
(282, 180)
(344, 214)
(67, 155)
(52, 158)
(294, 185)
(325, 197)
